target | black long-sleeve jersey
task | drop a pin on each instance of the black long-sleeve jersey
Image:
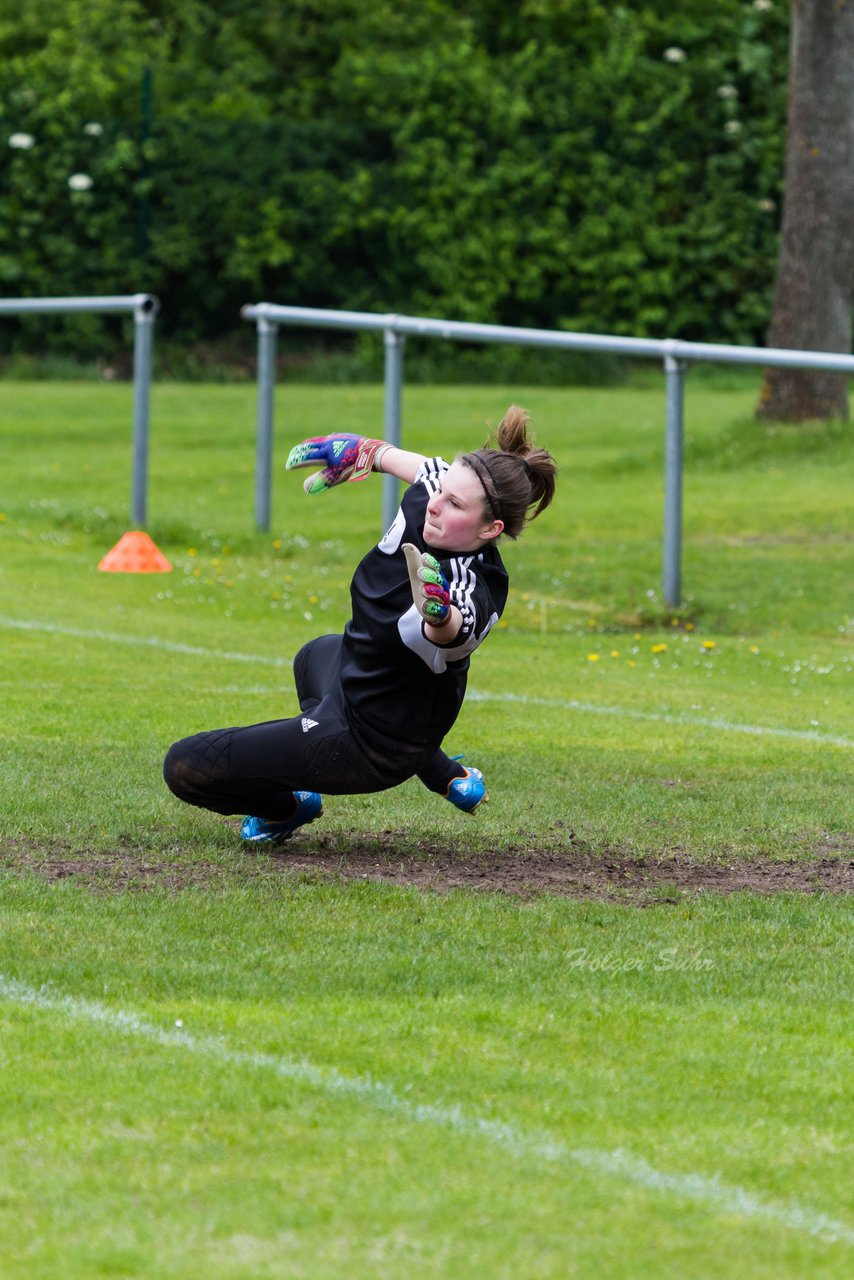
(402, 691)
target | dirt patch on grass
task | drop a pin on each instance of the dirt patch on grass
(575, 872)
(578, 871)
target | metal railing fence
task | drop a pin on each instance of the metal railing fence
(144, 308)
(674, 354)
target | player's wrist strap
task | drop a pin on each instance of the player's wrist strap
(368, 458)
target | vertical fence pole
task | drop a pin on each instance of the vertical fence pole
(394, 343)
(674, 373)
(143, 327)
(267, 332)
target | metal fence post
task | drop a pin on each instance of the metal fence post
(143, 329)
(394, 343)
(267, 332)
(674, 373)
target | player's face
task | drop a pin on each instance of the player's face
(456, 520)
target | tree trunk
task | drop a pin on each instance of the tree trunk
(815, 271)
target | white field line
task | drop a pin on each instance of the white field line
(665, 717)
(142, 642)
(474, 695)
(708, 1192)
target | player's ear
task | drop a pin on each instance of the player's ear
(492, 531)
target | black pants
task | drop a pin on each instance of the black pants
(256, 769)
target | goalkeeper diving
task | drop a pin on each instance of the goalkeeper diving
(377, 702)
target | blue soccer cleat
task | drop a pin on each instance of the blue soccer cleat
(466, 793)
(258, 830)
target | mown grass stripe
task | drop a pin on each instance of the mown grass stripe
(709, 1192)
(475, 695)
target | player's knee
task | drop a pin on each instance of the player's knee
(180, 770)
(196, 768)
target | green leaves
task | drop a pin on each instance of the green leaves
(611, 168)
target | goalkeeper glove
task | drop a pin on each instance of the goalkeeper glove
(429, 586)
(346, 457)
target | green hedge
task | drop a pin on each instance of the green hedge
(559, 163)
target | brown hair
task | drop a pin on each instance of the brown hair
(514, 473)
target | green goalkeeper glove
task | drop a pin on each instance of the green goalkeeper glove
(429, 586)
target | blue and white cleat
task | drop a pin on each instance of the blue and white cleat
(466, 793)
(258, 830)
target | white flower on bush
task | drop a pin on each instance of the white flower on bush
(762, 5)
(22, 141)
(93, 129)
(727, 91)
(674, 54)
(80, 182)
(732, 126)
(766, 205)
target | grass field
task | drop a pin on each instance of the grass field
(214, 1066)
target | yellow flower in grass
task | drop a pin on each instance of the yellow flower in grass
(593, 657)
(708, 644)
(659, 648)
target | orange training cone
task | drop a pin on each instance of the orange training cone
(135, 553)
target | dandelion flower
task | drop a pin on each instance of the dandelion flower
(593, 657)
(708, 644)
(659, 648)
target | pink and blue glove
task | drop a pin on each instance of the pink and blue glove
(429, 586)
(343, 457)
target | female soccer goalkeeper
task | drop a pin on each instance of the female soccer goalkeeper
(377, 701)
